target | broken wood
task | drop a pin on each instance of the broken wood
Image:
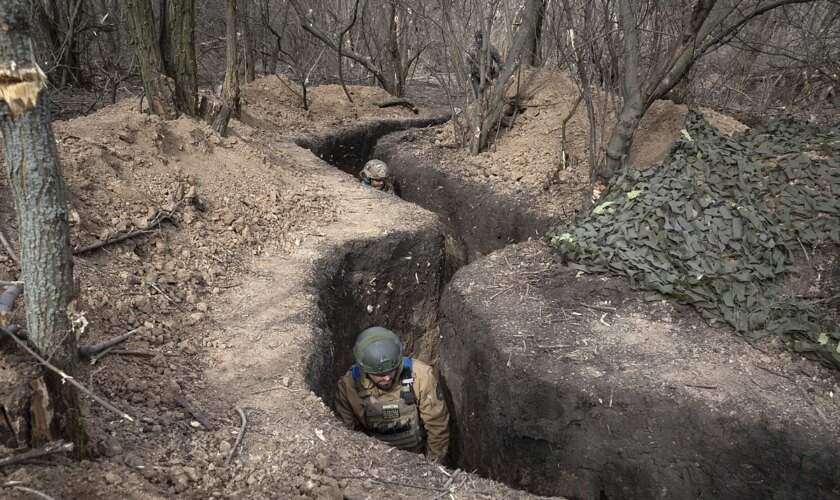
(398, 101)
(599, 307)
(17, 485)
(114, 239)
(221, 120)
(67, 378)
(9, 249)
(50, 448)
(141, 354)
(238, 437)
(90, 350)
(182, 400)
(41, 412)
(161, 216)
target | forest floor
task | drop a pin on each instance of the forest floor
(220, 295)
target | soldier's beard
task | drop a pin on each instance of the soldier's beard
(383, 386)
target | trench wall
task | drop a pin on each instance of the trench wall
(612, 426)
(394, 281)
(477, 220)
(349, 148)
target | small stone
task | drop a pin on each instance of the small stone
(191, 473)
(224, 447)
(308, 486)
(112, 478)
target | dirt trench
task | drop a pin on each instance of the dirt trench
(609, 399)
(464, 208)
(370, 285)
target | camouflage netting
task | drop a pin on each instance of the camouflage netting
(715, 224)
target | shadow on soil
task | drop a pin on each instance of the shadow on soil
(544, 433)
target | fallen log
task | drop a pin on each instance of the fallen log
(50, 448)
(398, 101)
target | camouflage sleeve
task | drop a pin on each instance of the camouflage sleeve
(434, 413)
(497, 57)
(342, 404)
(467, 63)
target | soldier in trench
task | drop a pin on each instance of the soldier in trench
(393, 398)
(376, 174)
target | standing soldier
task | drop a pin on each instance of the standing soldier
(392, 398)
(473, 63)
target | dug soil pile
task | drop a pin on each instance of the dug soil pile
(225, 298)
(247, 299)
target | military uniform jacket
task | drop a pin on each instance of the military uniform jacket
(472, 62)
(433, 411)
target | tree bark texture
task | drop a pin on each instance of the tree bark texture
(706, 16)
(248, 45)
(180, 23)
(532, 52)
(230, 93)
(61, 21)
(633, 106)
(165, 37)
(159, 88)
(39, 193)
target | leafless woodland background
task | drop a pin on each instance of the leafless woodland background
(786, 60)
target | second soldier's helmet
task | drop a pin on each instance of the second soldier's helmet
(378, 350)
(376, 170)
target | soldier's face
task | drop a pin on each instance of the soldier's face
(384, 380)
(378, 183)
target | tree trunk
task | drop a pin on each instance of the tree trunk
(165, 38)
(159, 91)
(706, 16)
(230, 90)
(60, 22)
(248, 44)
(633, 106)
(531, 56)
(180, 23)
(497, 97)
(38, 190)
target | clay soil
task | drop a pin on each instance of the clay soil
(253, 214)
(222, 296)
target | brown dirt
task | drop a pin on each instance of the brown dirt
(229, 297)
(526, 157)
(591, 391)
(225, 300)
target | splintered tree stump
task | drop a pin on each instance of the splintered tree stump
(220, 122)
(42, 413)
(15, 396)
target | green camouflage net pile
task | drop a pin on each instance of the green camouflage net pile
(713, 226)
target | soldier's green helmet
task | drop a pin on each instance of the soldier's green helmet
(378, 350)
(375, 169)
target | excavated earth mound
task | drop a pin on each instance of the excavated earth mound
(572, 384)
(247, 301)
(248, 298)
(516, 190)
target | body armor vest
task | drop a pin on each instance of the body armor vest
(394, 422)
